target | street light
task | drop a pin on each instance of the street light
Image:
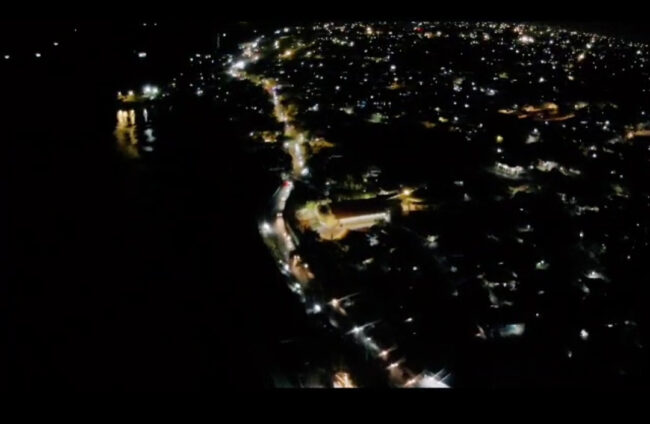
(393, 365)
(266, 228)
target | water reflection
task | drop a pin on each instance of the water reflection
(125, 133)
(128, 133)
(148, 134)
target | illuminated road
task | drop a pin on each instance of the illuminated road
(278, 236)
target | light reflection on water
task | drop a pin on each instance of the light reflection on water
(128, 133)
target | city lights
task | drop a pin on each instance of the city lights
(355, 73)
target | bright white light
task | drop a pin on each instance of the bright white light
(393, 365)
(296, 288)
(594, 275)
(7, 56)
(412, 381)
(526, 39)
(142, 55)
(317, 308)
(431, 381)
(37, 54)
(584, 335)
(56, 43)
(541, 265)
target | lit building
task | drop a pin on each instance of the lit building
(334, 220)
(360, 214)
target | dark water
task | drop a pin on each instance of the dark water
(134, 274)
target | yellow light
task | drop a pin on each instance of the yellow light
(342, 380)
(499, 139)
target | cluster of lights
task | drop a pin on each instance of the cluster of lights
(315, 95)
(526, 39)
